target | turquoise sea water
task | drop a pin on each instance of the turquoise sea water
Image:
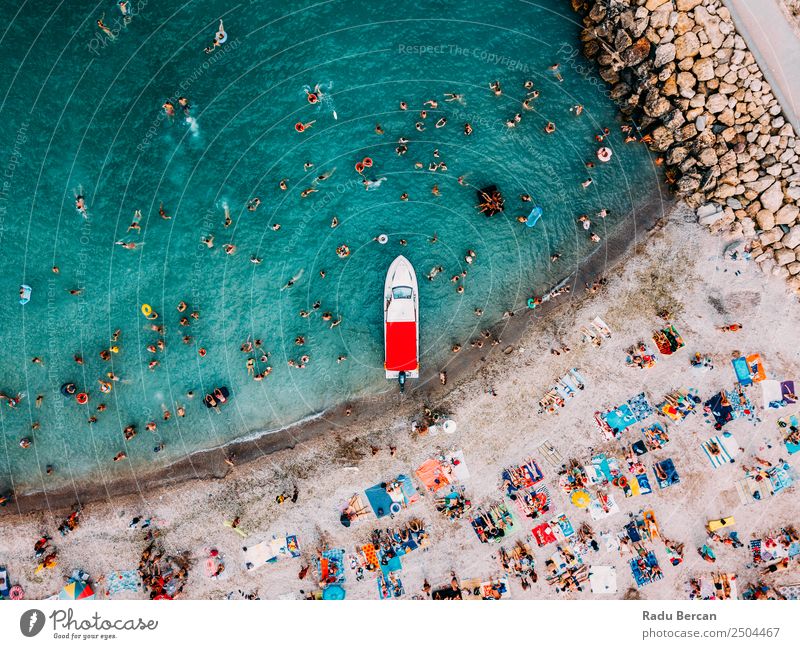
(82, 113)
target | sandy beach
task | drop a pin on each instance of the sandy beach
(493, 399)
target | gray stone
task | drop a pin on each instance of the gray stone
(664, 54)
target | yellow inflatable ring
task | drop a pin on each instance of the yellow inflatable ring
(580, 499)
(146, 310)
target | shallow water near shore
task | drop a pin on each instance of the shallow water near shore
(83, 113)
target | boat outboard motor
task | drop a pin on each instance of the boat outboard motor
(401, 378)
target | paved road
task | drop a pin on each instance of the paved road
(776, 47)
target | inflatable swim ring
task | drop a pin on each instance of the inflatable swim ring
(395, 508)
(312, 97)
(82, 398)
(343, 251)
(367, 162)
(16, 592)
(146, 310)
(68, 389)
(360, 167)
(604, 154)
(580, 499)
(449, 426)
(382, 239)
(299, 127)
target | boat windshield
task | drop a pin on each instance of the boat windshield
(401, 293)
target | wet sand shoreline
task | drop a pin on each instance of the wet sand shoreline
(211, 464)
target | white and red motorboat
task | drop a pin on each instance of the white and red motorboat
(401, 321)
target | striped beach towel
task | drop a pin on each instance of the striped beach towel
(728, 449)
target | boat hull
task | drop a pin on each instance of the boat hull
(401, 320)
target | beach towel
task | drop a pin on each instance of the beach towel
(645, 569)
(720, 450)
(533, 502)
(550, 454)
(655, 436)
(602, 327)
(742, 371)
(432, 474)
(543, 534)
(329, 566)
(257, 555)
(458, 465)
(771, 394)
(666, 474)
(121, 581)
(603, 579)
(521, 476)
(788, 394)
(602, 505)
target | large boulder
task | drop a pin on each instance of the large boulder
(703, 69)
(716, 103)
(765, 220)
(664, 54)
(636, 53)
(792, 238)
(687, 45)
(787, 215)
(688, 5)
(772, 197)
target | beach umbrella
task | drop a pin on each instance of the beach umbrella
(76, 590)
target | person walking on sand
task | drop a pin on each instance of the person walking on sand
(731, 327)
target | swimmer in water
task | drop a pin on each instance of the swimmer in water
(253, 203)
(255, 260)
(106, 28)
(80, 204)
(373, 184)
(442, 121)
(403, 105)
(292, 281)
(432, 103)
(586, 183)
(324, 176)
(307, 166)
(184, 104)
(282, 184)
(169, 108)
(131, 245)
(378, 129)
(137, 216)
(451, 96)
(577, 109)
(334, 222)
(467, 128)
(495, 88)
(554, 70)
(307, 192)
(208, 240)
(228, 219)
(229, 248)
(55, 270)
(162, 213)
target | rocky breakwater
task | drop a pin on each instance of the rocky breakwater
(683, 76)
